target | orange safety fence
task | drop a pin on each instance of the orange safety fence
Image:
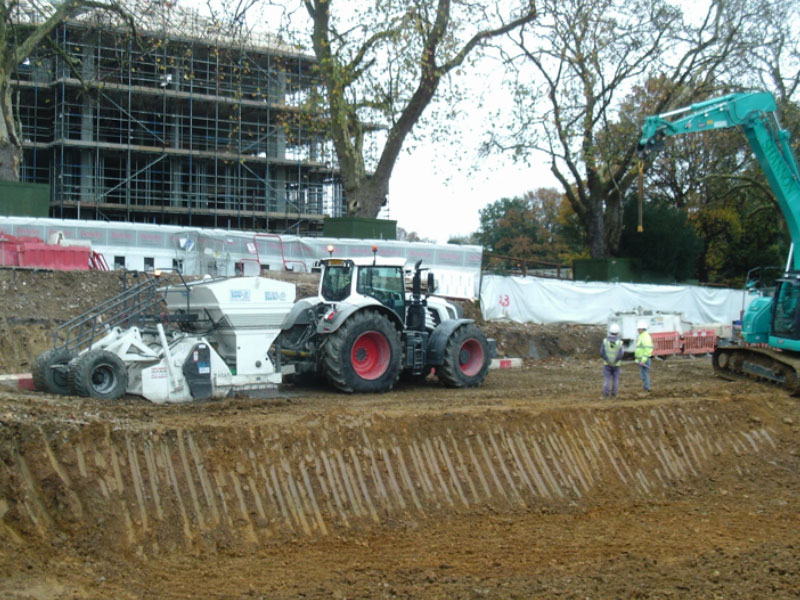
(701, 341)
(666, 342)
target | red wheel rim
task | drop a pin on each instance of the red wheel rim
(470, 357)
(370, 355)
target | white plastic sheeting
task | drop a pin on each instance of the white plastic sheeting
(537, 300)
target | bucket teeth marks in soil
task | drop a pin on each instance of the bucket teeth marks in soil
(153, 479)
(29, 497)
(247, 529)
(7, 532)
(178, 496)
(204, 488)
(205, 480)
(312, 497)
(138, 482)
(190, 483)
(74, 501)
(336, 488)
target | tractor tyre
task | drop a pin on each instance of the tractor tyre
(98, 374)
(466, 358)
(48, 379)
(363, 355)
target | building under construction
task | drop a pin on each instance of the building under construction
(176, 124)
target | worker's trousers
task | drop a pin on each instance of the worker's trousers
(610, 380)
(644, 373)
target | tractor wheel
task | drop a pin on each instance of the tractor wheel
(466, 358)
(363, 355)
(98, 374)
(48, 379)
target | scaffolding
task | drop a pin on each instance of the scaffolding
(176, 127)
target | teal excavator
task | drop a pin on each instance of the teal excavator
(770, 324)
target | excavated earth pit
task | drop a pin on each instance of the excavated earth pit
(532, 486)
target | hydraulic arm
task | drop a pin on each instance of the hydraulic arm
(774, 321)
(755, 113)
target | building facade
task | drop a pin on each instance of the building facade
(177, 125)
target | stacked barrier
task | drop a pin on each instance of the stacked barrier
(701, 341)
(32, 252)
(666, 342)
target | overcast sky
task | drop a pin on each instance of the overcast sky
(437, 190)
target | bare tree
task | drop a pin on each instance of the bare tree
(24, 25)
(381, 66)
(576, 65)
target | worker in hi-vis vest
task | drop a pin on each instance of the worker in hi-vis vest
(643, 352)
(611, 351)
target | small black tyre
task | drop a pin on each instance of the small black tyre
(363, 355)
(98, 374)
(466, 358)
(46, 378)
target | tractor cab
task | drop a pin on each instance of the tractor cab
(352, 280)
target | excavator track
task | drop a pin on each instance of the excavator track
(758, 364)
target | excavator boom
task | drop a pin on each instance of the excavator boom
(774, 321)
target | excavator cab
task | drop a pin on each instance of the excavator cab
(785, 331)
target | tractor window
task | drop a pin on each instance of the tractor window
(336, 283)
(786, 321)
(385, 284)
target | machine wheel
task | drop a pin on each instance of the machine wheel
(466, 358)
(98, 374)
(363, 355)
(48, 379)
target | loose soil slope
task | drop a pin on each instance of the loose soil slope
(529, 487)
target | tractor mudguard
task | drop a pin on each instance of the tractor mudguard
(299, 314)
(344, 310)
(439, 337)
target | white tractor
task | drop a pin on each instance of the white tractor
(208, 338)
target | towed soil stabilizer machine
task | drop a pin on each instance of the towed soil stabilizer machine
(208, 338)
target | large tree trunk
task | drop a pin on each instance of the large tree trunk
(9, 161)
(10, 150)
(613, 223)
(596, 231)
(367, 199)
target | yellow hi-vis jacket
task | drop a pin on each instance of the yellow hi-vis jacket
(644, 348)
(611, 351)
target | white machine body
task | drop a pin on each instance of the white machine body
(230, 326)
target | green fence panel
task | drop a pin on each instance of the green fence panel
(24, 199)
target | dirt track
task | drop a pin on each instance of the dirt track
(530, 487)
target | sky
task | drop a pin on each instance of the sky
(439, 197)
(436, 190)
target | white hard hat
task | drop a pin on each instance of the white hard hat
(614, 329)
(641, 324)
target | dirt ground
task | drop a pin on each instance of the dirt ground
(531, 486)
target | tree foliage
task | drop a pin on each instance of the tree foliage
(573, 67)
(669, 245)
(381, 64)
(539, 226)
(714, 177)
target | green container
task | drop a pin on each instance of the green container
(606, 269)
(359, 228)
(19, 199)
